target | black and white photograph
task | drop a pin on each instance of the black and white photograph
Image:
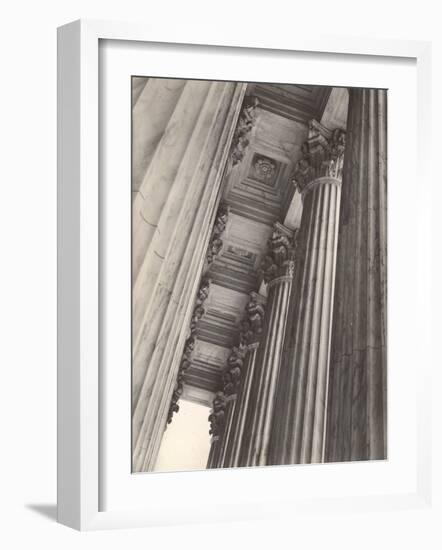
(221, 274)
(259, 274)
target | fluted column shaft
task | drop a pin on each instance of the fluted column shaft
(356, 427)
(298, 429)
(299, 424)
(217, 419)
(213, 459)
(262, 403)
(236, 434)
(229, 422)
(225, 438)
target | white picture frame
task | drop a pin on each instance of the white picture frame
(79, 389)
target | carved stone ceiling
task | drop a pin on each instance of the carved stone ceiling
(258, 192)
(293, 101)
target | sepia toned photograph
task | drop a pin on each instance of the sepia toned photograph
(259, 274)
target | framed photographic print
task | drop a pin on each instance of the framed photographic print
(232, 281)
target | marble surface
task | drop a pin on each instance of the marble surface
(336, 110)
(299, 420)
(154, 100)
(179, 196)
(178, 180)
(263, 395)
(357, 414)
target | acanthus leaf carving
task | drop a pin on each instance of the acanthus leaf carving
(233, 370)
(216, 243)
(252, 325)
(322, 155)
(246, 333)
(217, 415)
(198, 313)
(255, 312)
(179, 383)
(203, 292)
(279, 258)
(245, 124)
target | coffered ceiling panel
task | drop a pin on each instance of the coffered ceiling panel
(208, 362)
(259, 188)
(224, 310)
(259, 193)
(294, 101)
(244, 245)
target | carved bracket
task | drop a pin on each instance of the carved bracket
(322, 155)
(198, 313)
(179, 384)
(216, 243)
(241, 137)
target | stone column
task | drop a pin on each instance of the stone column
(213, 453)
(299, 423)
(155, 100)
(173, 212)
(226, 436)
(239, 415)
(217, 419)
(237, 382)
(277, 273)
(357, 414)
(232, 376)
(240, 390)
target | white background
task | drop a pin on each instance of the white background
(28, 278)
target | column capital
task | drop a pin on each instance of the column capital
(233, 370)
(252, 325)
(322, 157)
(278, 263)
(287, 271)
(325, 180)
(251, 328)
(217, 415)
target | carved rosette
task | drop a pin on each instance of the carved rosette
(217, 417)
(279, 260)
(322, 156)
(241, 137)
(216, 243)
(198, 313)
